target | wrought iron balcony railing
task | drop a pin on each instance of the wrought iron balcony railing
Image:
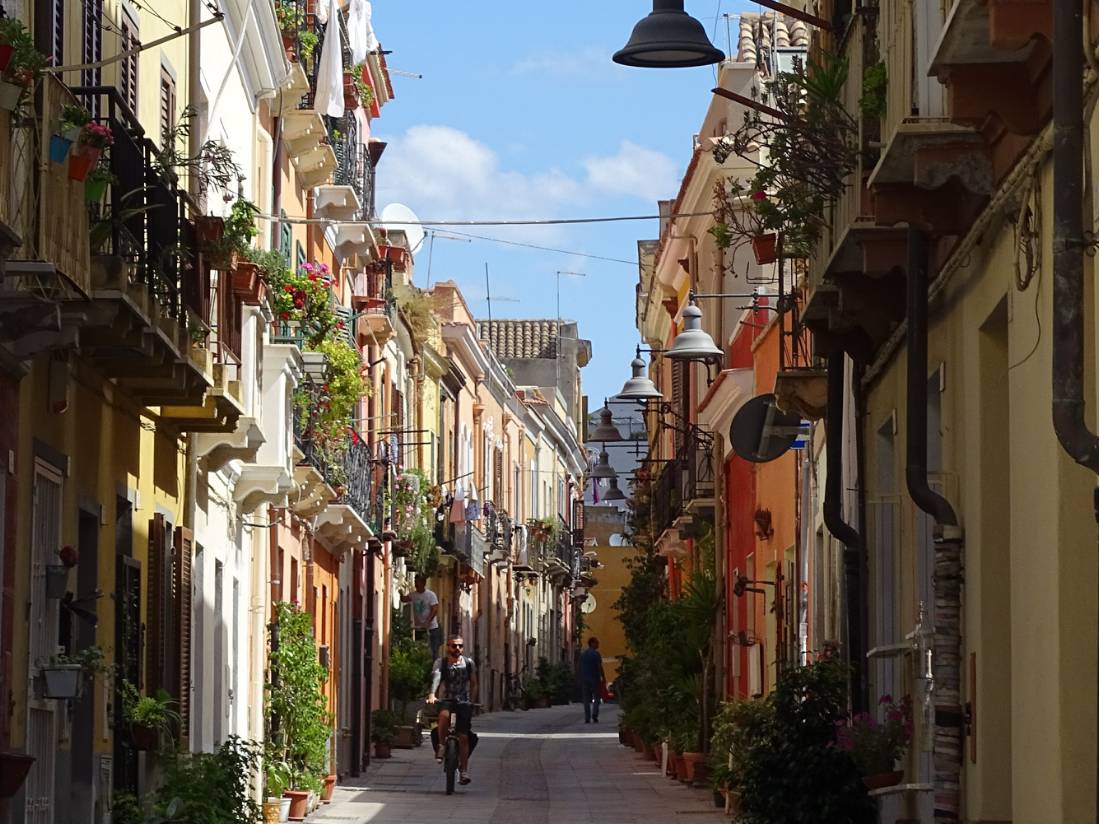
(354, 166)
(146, 216)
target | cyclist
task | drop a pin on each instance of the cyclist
(457, 675)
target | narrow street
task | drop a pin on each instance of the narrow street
(538, 767)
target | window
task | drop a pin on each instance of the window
(92, 46)
(50, 29)
(286, 236)
(167, 104)
(128, 66)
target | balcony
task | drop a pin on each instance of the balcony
(372, 298)
(994, 59)
(149, 286)
(931, 171)
(43, 233)
(697, 474)
(470, 546)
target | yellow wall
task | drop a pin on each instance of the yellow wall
(1030, 536)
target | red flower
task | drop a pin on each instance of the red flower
(298, 304)
(284, 316)
(759, 196)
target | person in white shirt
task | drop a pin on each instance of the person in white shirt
(425, 604)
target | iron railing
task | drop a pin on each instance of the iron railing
(146, 221)
(697, 466)
(470, 545)
(354, 167)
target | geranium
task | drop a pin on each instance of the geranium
(304, 296)
(96, 135)
(875, 745)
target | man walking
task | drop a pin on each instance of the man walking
(425, 604)
(592, 681)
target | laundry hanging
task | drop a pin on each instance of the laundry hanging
(329, 98)
(360, 30)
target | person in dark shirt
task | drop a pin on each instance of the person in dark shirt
(592, 681)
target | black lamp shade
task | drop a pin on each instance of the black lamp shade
(668, 38)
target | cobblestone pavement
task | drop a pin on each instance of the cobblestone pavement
(538, 767)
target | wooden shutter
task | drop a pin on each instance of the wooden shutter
(167, 104)
(498, 476)
(185, 542)
(92, 46)
(128, 66)
(154, 649)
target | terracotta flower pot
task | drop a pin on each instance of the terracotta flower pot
(690, 760)
(880, 780)
(299, 800)
(763, 247)
(143, 737)
(383, 749)
(14, 767)
(326, 791)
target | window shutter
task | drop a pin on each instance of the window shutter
(498, 476)
(128, 66)
(185, 542)
(92, 47)
(167, 104)
(154, 649)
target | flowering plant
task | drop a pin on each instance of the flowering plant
(304, 296)
(874, 745)
(741, 212)
(73, 116)
(96, 135)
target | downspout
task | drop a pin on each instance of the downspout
(1068, 330)
(844, 532)
(948, 539)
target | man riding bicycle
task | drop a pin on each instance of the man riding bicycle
(457, 675)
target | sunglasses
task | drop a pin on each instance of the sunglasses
(455, 646)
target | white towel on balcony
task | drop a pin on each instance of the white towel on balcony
(360, 31)
(330, 75)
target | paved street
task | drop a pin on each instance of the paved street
(538, 767)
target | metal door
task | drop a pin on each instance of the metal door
(41, 721)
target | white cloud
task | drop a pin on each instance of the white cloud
(444, 173)
(635, 171)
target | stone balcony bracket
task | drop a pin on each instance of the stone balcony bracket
(313, 492)
(302, 132)
(220, 409)
(340, 528)
(290, 95)
(336, 202)
(214, 450)
(316, 167)
(352, 239)
(262, 484)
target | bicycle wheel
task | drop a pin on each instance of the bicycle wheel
(450, 763)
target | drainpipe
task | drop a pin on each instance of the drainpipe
(1068, 328)
(844, 532)
(948, 540)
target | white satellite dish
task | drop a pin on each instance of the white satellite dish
(397, 217)
(588, 605)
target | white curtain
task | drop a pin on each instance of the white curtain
(330, 75)
(360, 31)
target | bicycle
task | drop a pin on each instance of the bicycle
(515, 696)
(451, 744)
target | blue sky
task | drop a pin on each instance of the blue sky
(522, 114)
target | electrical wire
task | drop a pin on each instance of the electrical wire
(148, 7)
(489, 222)
(544, 248)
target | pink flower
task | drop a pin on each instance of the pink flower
(886, 699)
(759, 196)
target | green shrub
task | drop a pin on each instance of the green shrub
(210, 788)
(383, 726)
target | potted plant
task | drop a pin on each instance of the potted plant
(24, 64)
(330, 786)
(875, 745)
(351, 90)
(62, 677)
(73, 118)
(291, 18)
(95, 185)
(383, 728)
(277, 777)
(153, 722)
(14, 767)
(11, 32)
(94, 138)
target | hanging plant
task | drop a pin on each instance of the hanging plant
(304, 296)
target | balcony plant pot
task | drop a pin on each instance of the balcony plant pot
(299, 802)
(383, 749)
(57, 581)
(9, 95)
(271, 810)
(327, 790)
(284, 810)
(290, 46)
(702, 774)
(691, 760)
(6, 51)
(80, 163)
(62, 681)
(14, 767)
(351, 94)
(144, 737)
(880, 780)
(94, 190)
(246, 276)
(401, 548)
(763, 247)
(59, 148)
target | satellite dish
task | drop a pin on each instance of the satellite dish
(760, 432)
(398, 217)
(588, 605)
